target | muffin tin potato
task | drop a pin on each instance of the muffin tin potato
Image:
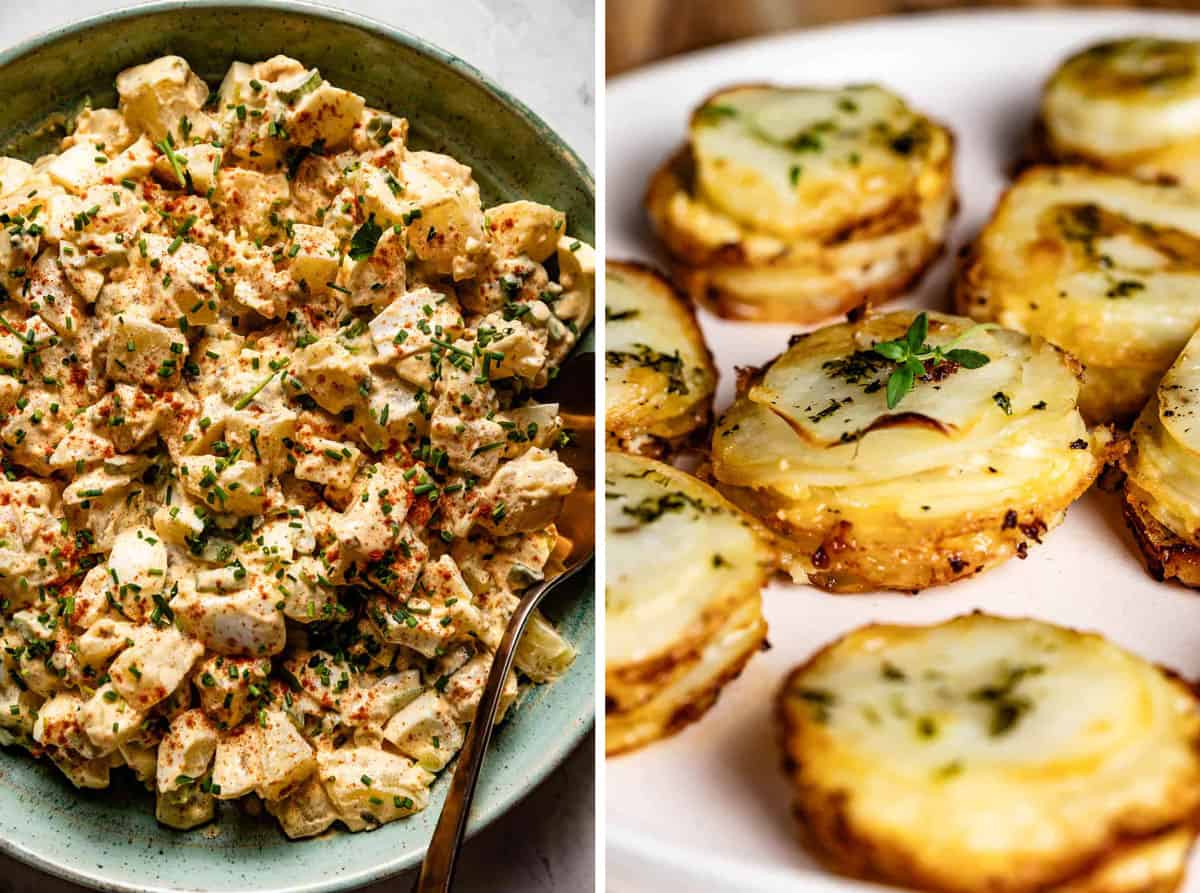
(986, 754)
(659, 376)
(1129, 106)
(681, 622)
(969, 468)
(797, 204)
(1104, 266)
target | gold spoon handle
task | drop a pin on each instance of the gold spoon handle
(437, 869)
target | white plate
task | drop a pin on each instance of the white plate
(709, 808)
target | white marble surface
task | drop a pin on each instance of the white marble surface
(546, 842)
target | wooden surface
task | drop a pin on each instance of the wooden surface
(641, 31)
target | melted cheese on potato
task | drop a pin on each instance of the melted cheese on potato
(1130, 105)
(682, 600)
(806, 162)
(813, 449)
(659, 377)
(1103, 266)
(1073, 745)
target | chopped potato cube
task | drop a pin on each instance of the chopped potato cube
(197, 164)
(238, 767)
(151, 669)
(426, 730)
(242, 623)
(13, 174)
(329, 462)
(158, 96)
(287, 758)
(244, 199)
(143, 352)
(314, 256)
(79, 167)
(186, 751)
(525, 228)
(331, 374)
(327, 113)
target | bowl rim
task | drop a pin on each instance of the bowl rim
(412, 41)
(554, 756)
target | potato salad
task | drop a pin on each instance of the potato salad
(275, 473)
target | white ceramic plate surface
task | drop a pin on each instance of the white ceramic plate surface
(709, 809)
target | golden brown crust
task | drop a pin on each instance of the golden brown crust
(1041, 150)
(1161, 861)
(628, 686)
(824, 829)
(652, 446)
(705, 288)
(1110, 394)
(627, 730)
(1166, 556)
(838, 562)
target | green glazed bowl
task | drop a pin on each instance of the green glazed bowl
(109, 839)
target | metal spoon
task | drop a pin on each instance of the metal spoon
(574, 391)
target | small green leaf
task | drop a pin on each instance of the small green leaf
(968, 359)
(366, 237)
(915, 336)
(893, 350)
(899, 383)
(915, 367)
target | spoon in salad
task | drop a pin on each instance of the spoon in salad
(574, 391)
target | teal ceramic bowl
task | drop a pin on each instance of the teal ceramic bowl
(109, 839)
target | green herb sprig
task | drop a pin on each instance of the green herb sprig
(911, 353)
(178, 165)
(365, 238)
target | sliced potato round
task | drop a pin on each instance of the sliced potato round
(659, 376)
(682, 601)
(1162, 483)
(795, 204)
(1104, 266)
(798, 162)
(967, 469)
(1131, 106)
(993, 754)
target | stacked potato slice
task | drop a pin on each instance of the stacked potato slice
(683, 605)
(987, 754)
(659, 376)
(1104, 266)
(967, 470)
(1162, 486)
(798, 204)
(1129, 105)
